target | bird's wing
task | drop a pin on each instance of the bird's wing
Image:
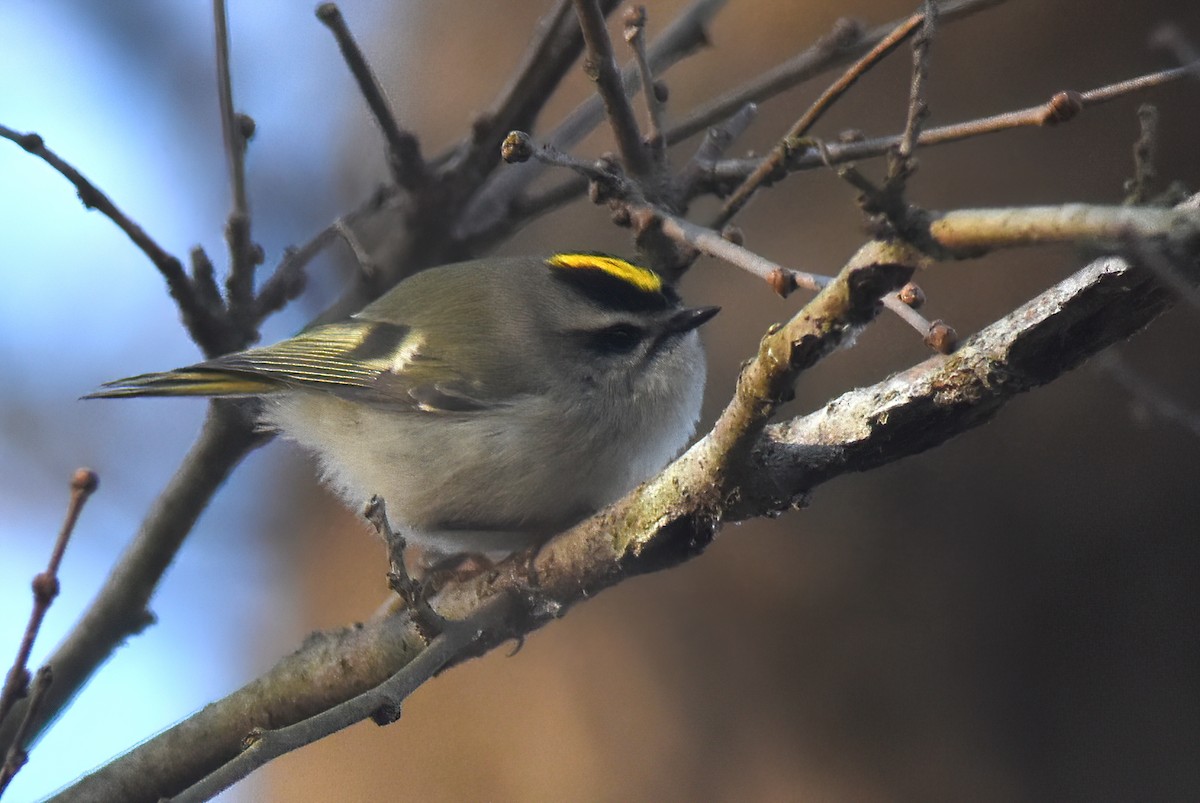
(368, 361)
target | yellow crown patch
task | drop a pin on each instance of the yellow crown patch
(642, 278)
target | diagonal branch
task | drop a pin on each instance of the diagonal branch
(206, 326)
(845, 41)
(404, 152)
(381, 703)
(612, 545)
(601, 67)
(1062, 107)
(790, 141)
(546, 61)
(121, 609)
(496, 209)
(666, 521)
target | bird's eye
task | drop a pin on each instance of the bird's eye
(620, 338)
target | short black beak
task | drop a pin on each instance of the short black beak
(688, 319)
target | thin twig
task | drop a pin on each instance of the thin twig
(712, 147)
(845, 41)
(404, 151)
(601, 67)
(605, 178)
(213, 334)
(1137, 189)
(17, 753)
(235, 142)
(288, 280)
(1062, 107)
(635, 35)
(366, 265)
(888, 206)
(782, 280)
(244, 255)
(556, 45)
(790, 141)
(918, 110)
(45, 589)
(121, 608)
(204, 281)
(496, 207)
(382, 703)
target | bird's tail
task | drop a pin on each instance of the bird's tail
(195, 381)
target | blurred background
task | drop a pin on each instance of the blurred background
(1012, 616)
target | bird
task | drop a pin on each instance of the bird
(490, 403)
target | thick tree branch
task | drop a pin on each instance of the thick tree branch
(674, 516)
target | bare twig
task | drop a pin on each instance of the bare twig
(635, 35)
(887, 207)
(782, 280)
(204, 281)
(121, 608)
(605, 179)
(902, 166)
(288, 279)
(845, 41)
(235, 139)
(769, 166)
(601, 67)
(681, 38)
(1137, 189)
(555, 47)
(499, 204)
(1062, 107)
(366, 265)
(244, 255)
(404, 152)
(381, 703)
(212, 333)
(45, 589)
(17, 753)
(715, 143)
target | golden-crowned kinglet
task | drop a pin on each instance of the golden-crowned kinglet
(490, 403)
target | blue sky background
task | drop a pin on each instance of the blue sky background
(127, 94)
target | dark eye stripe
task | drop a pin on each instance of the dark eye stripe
(620, 338)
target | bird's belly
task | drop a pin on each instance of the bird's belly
(488, 481)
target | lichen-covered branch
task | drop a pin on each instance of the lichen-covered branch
(743, 468)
